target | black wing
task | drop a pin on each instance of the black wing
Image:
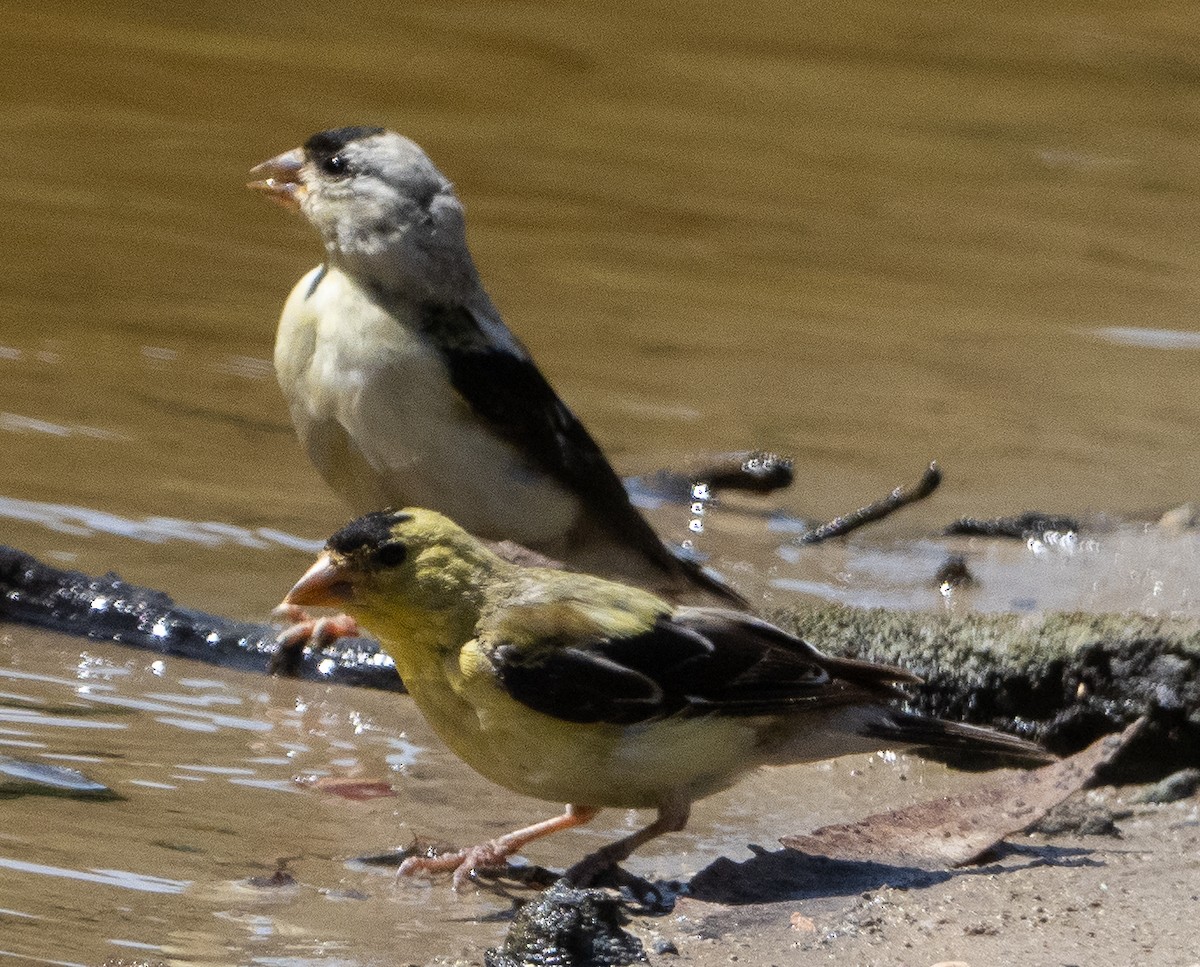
(504, 386)
(698, 662)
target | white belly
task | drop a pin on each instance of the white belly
(374, 407)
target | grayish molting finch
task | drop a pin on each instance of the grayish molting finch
(577, 689)
(405, 386)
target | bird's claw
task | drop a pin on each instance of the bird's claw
(304, 631)
(464, 863)
(288, 614)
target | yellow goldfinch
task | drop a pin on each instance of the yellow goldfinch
(406, 387)
(572, 688)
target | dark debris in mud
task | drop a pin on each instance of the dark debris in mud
(566, 927)
(1178, 785)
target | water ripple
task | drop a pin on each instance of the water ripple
(87, 522)
(41, 960)
(29, 717)
(125, 879)
(16, 423)
(1148, 338)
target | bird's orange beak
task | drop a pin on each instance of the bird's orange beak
(324, 585)
(279, 179)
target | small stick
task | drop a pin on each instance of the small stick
(1032, 523)
(880, 509)
(758, 471)
(751, 471)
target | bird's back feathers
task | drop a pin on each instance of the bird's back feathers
(695, 662)
(503, 386)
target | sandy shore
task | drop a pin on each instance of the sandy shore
(1130, 896)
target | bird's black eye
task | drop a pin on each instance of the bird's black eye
(336, 164)
(391, 555)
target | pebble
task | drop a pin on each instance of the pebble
(1178, 785)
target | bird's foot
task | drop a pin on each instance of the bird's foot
(464, 863)
(301, 631)
(589, 869)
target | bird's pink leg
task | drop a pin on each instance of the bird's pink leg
(495, 853)
(672, 817)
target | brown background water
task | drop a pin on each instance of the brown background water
(865, 235)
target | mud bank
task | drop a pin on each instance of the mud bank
(1065, 679)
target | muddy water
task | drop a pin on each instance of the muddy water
(866, 242)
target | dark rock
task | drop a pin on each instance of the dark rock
(566, 927)
(108, 609)
(1064, 680)
(1080, 816)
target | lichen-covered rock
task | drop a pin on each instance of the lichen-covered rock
(1065, 679)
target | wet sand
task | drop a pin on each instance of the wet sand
(1100, 900)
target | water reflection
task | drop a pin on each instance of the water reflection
(123, 879)
(1121, 567)
(1149, 338)
(86, 522)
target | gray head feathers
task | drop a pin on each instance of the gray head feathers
(387, 215)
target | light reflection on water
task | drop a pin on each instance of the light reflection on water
(1150, 338)
(123, 879)
(86, 522)
(1135, 568)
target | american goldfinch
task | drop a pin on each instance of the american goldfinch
(406, 387)
(577, 689)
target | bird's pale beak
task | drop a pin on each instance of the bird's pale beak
(279, 179)
(324, 585)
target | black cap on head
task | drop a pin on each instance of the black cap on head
(370, 532)
(325, 144)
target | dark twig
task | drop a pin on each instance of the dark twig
(758, 472)
(900, 497)
(1032, 523)
(749, 471)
